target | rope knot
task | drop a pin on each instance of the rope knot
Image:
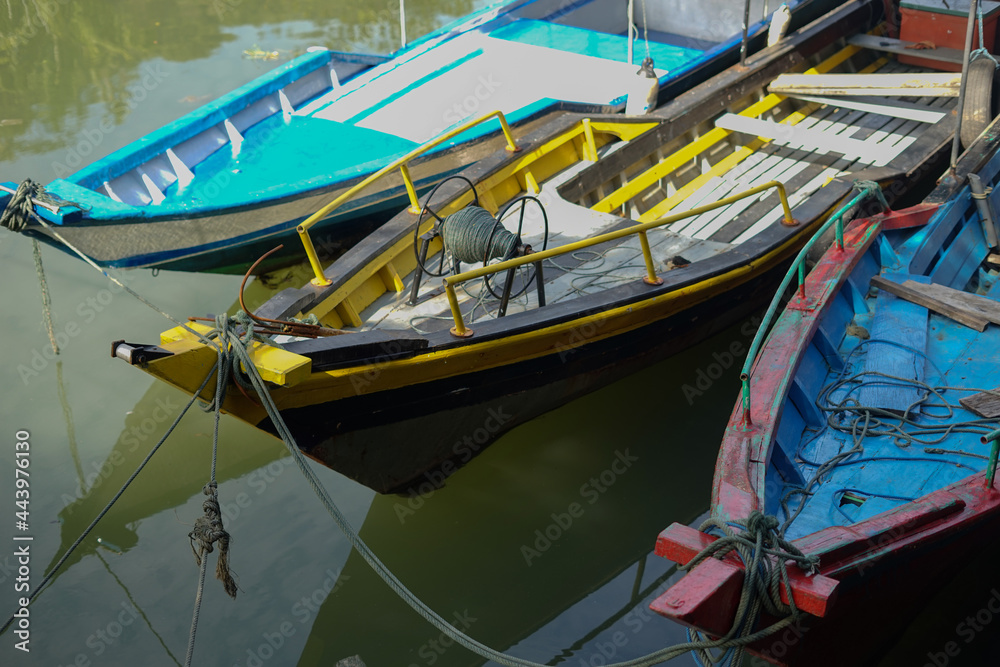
(759, 523)
(19, 209)
(208, 530)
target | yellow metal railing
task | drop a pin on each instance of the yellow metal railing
(411, 191)
(650, 278)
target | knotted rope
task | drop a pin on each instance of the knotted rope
(20, 208)
(759, 543)
(208, 530)
(765, 554)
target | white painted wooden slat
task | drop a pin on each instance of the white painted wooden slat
(933, 84)
(824, 142)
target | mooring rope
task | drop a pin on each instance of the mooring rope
(765, 553)
(208, 529)
(46, 300)
(758, 542)
(82, 255)
(51, 573)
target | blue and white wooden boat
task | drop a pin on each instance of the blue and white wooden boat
(865, 429)
(211, 190)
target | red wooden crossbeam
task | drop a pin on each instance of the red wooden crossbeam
(679, 543)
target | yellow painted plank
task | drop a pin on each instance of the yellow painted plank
(348, 313)
(390, 277)
(706, 141)
(732, 160)
(279, 366)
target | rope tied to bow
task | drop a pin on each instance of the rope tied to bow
(208, 530)
(765, 554)
(21, 208)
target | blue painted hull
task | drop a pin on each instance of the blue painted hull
(210, 190)
(861, 439)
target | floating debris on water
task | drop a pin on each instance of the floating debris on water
(110, 547)
(257, 53)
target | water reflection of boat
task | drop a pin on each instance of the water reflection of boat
(177, 472)
(206, 191)
(492, 544)
(661, 232)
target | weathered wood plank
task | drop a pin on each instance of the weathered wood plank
(880, 105)
(915, 84)
(986, 404)
(958, 312)
(902, 325)
(889, 45)
(988, 308)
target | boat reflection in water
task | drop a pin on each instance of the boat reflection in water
(541, 546)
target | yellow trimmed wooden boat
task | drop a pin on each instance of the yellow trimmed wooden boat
(657, 231)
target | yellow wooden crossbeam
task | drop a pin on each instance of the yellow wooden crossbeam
(730, 161)
(706, 141)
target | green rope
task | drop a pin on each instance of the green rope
(46, 300)
(467, 232)
(982, 51)
(20, 208)
(758, 535)
(765, 554)
(100, 515)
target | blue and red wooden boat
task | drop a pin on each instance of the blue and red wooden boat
(864, 429)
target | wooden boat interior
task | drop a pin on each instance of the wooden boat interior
(875, 414)
(761, 137)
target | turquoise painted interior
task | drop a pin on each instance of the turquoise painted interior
(596, 44)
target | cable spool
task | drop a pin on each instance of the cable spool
(473, 235)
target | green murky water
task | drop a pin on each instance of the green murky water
(492, 550)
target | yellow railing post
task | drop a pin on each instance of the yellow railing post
(411, 191)
(588, 134)
(512, 146)
(650, 278)
(320, 279)
(788, 220)
(459, 328)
